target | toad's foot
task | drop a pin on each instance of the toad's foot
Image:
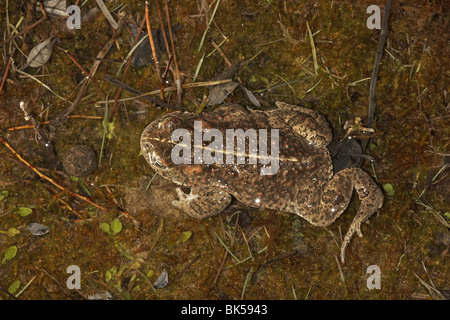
(202, 203)
(365, 211)
(336, 197)
(339, 191)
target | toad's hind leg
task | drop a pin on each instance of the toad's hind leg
(202, 203)
(337, 195)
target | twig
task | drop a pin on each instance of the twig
(313, 48)
(178, 275)
(265, 264)
(216, 47)
(150, 37)
(43, 176)
(107, 14)
(168, 89)
(163, 30)
(42, 84)
(247, 279)
(99, 90)
(28, 117)
(119, 90)
(376, 67)
(225, 254)
(136, 92)
(207, 26)
(23, 31)
(164, 77)
(64, 115)
(340, 269)
(30, 126)
(177, 71)
(113, 202)
(158, 234)
(5, 73)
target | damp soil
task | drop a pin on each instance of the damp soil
(276, 255)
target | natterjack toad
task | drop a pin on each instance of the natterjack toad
(274, 159)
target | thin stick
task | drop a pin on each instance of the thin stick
(222, 54)
(107, 14)
(119, 90)
(136, 92)
(5, 74)
(313, 48)
(30, 126)
(113, 202)
(43, 176)
(42, 84)
(376, 67)
(225, 254)
(150, 37)
(23, 31)
(99, 90)
(164, 78)
(207, 26)
(177, 71)
(65, 114)
(168, 89)
(178, 275)
(163, 30)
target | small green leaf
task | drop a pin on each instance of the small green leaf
(447, 215)
(24, 211)
(185, 236)
(12, 232)
(150, 274)
(73, 178)
(126, 295)
(113, 270)
(3, 194)
(10, 253)
(105, 227)
(14, 286)
(389, 189)
(116, 226)
(108, 276)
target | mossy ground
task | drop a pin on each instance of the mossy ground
(410, 146)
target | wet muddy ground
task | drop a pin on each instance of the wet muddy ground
(126, 248)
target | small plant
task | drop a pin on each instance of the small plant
(389, 189)
(112, 228)
(24, 211)
(3, 194)
(9, 254)
(11, 232)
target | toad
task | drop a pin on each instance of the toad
(197, 151)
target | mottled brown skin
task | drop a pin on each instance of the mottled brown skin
(304, 183)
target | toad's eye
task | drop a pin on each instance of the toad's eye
(160, 164)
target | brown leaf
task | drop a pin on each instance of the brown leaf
(40, 54)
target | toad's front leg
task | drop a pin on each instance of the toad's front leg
(202, 203)
(336, 197)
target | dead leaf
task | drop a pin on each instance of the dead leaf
(251, 96)
(162, 280)
(219, 93)
(40, 54)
